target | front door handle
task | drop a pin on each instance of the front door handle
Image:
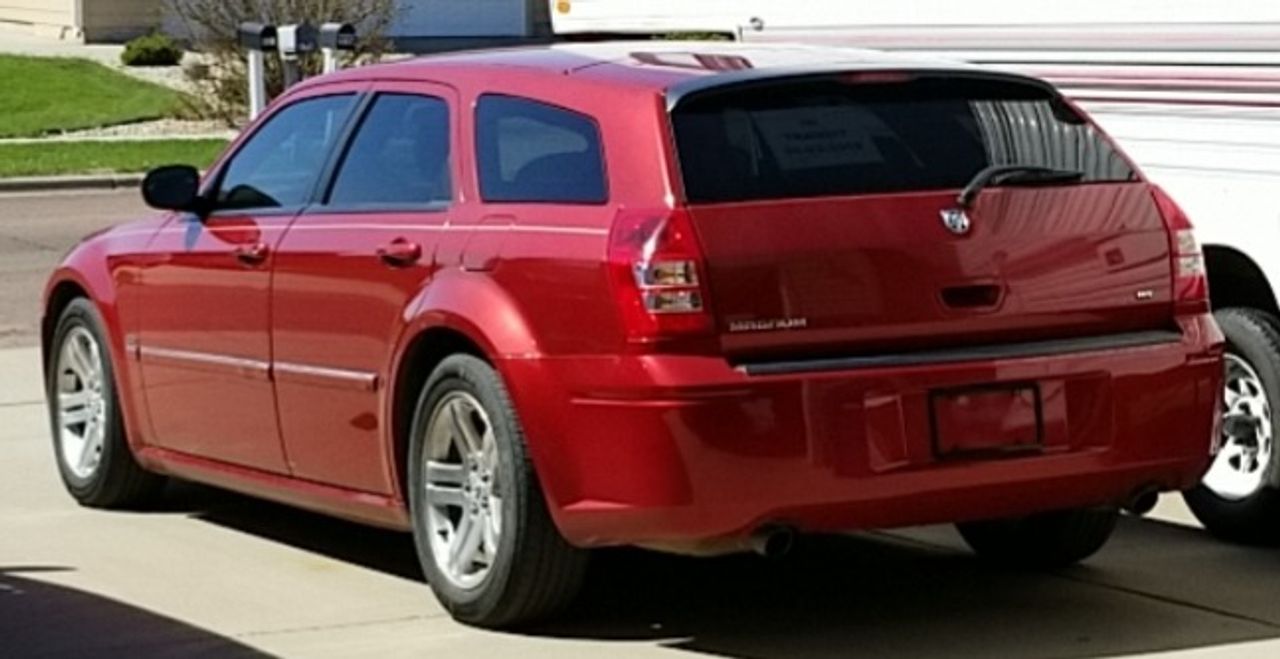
(400, 253)
(253, 254)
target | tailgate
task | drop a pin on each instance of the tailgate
(820, 204)
(880, 273)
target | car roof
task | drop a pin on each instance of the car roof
(675, 68)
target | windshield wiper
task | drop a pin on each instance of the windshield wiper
(1014, 175)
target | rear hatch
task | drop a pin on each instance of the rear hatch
(826, 209)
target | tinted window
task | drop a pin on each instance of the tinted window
(399, 156)
(279, 164)
(534, 152)
(828, 137)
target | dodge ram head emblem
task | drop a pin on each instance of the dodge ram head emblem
(956, 221)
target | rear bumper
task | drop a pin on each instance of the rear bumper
(680, 451)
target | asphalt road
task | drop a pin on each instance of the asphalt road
(35, 232)
(213, 574)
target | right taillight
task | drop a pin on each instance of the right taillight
(657, 271)
(1190, 279)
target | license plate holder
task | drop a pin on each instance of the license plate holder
(993, 420)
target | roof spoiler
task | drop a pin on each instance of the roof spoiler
(682, 91)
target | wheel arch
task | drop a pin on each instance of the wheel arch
(460, 312)
(1236, 280)
(423, 353)
(61, 293)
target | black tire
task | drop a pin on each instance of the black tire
(536, 573)
(1044, 541)
(1252, 336)
(118, 481)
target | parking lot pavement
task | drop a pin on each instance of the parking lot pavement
(222, 575)
(35, 231)
(214, 574)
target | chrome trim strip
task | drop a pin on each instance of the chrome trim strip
(443, 228)
(253, 368)
(326, 376)
(972, 353)
(258, 369)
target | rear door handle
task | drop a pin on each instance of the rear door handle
(253, 254)
(400, 253)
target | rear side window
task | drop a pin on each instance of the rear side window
(529, 151)
(399, 156)
(832, 137)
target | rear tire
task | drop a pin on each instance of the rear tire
(470, 469)
(92, 451)
(1044, 541)
(1238, 499)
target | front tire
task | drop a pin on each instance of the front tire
(485, 538)
(1238, 499)
(1044, 541)
(94, 459)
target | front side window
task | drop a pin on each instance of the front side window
(400, 155)
(279, 164)
(529, 151)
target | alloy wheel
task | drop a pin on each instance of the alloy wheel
(463, 493)
(81, 402)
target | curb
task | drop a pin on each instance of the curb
(71, 183)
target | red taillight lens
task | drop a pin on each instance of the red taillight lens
(1190, 279)
(657, 271)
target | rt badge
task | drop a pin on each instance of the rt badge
(956, 221)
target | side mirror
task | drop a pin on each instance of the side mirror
(173, 188)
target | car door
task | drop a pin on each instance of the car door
(345, 274)
(204, 341)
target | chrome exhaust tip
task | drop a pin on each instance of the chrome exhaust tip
(773, 542)
(1143, 502)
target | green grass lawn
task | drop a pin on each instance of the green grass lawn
(59, 158)
(42, 95)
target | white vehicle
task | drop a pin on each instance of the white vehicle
(1190, 89)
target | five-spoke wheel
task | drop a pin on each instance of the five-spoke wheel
(94, 458)
(485, 538)
(463, 494)
(80, 403)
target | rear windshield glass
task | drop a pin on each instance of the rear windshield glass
(833, 136)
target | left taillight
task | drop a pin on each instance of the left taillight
(1190, 278)
(658, 275)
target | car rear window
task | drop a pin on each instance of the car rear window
(838, 136)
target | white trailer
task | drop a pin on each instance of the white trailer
(1189, 88)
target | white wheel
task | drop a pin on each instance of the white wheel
(1240, 468)
(1239, 497)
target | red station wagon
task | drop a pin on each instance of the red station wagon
(689, 297)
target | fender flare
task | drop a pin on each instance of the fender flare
(470, 305)
(87, 269)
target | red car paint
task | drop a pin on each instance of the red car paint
(270, 353)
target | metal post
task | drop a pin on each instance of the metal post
(336, 37)
(257, 38)
(257, 84)
(292, 70)
(295, 42)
